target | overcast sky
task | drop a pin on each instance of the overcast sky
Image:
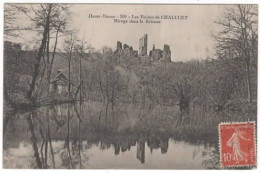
(188, 39)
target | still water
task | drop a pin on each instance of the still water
(128, 137)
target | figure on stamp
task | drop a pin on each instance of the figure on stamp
(234, 142)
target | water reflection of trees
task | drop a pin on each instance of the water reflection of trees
(43, 124)
(132, 127)
(34, 141)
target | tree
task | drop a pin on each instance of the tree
(68, 48)
(58, 25)
(45, 24)
(238, 39)
(80, 51)
(45, 19)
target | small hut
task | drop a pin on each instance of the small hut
(59, 84)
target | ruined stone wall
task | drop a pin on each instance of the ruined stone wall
(125, 49)
(118, 46)
(155, 54)
(143, 45)
(161, 55)
(166, 54)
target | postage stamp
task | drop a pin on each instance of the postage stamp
(237, 144)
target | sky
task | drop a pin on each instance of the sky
(188, 39)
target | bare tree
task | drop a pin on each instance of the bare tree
(46, 18)
(238, 38)
(80, 50)
(58, 25)
(69, 48)
(45, 23)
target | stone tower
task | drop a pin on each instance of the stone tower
(118, 46)
(143, 45)
(166, 54)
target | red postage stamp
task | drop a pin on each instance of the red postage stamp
(237, 144)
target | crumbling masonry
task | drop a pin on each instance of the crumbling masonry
(154, 55)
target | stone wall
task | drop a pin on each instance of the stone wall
(125, 49)
(166, 55)
(161, 55)
(155, 54)
(143, 45)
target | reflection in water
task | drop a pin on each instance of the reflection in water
(158, 142)
(34, 141)
(8, 118)
(141, 150)
(80, 136)
(67, 141)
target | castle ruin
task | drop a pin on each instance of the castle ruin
(154, 55)
(126, 49)
(143, 45)
(161, 55)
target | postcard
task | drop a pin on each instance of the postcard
(130, 86)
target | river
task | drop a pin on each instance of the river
(88, 136)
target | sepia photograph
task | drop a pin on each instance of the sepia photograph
(130, 86)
